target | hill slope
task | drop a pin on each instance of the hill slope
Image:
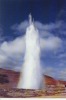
(9, 79)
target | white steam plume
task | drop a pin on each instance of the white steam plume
(31, 73)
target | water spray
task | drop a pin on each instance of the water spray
(31, 73)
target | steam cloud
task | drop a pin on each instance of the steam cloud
(31, 73)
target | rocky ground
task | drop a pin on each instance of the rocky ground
(22, 93)
(16, 93)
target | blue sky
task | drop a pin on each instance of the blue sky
(50, 20)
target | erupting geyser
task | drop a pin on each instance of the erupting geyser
(31, 74)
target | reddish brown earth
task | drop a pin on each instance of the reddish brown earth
(9, 80)
(9, 75)
(49, 80)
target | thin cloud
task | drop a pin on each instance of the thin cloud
(63, 55)
(40, 26)
(51, 43)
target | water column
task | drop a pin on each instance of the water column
(31, 73)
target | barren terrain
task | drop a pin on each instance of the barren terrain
(9, 80)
